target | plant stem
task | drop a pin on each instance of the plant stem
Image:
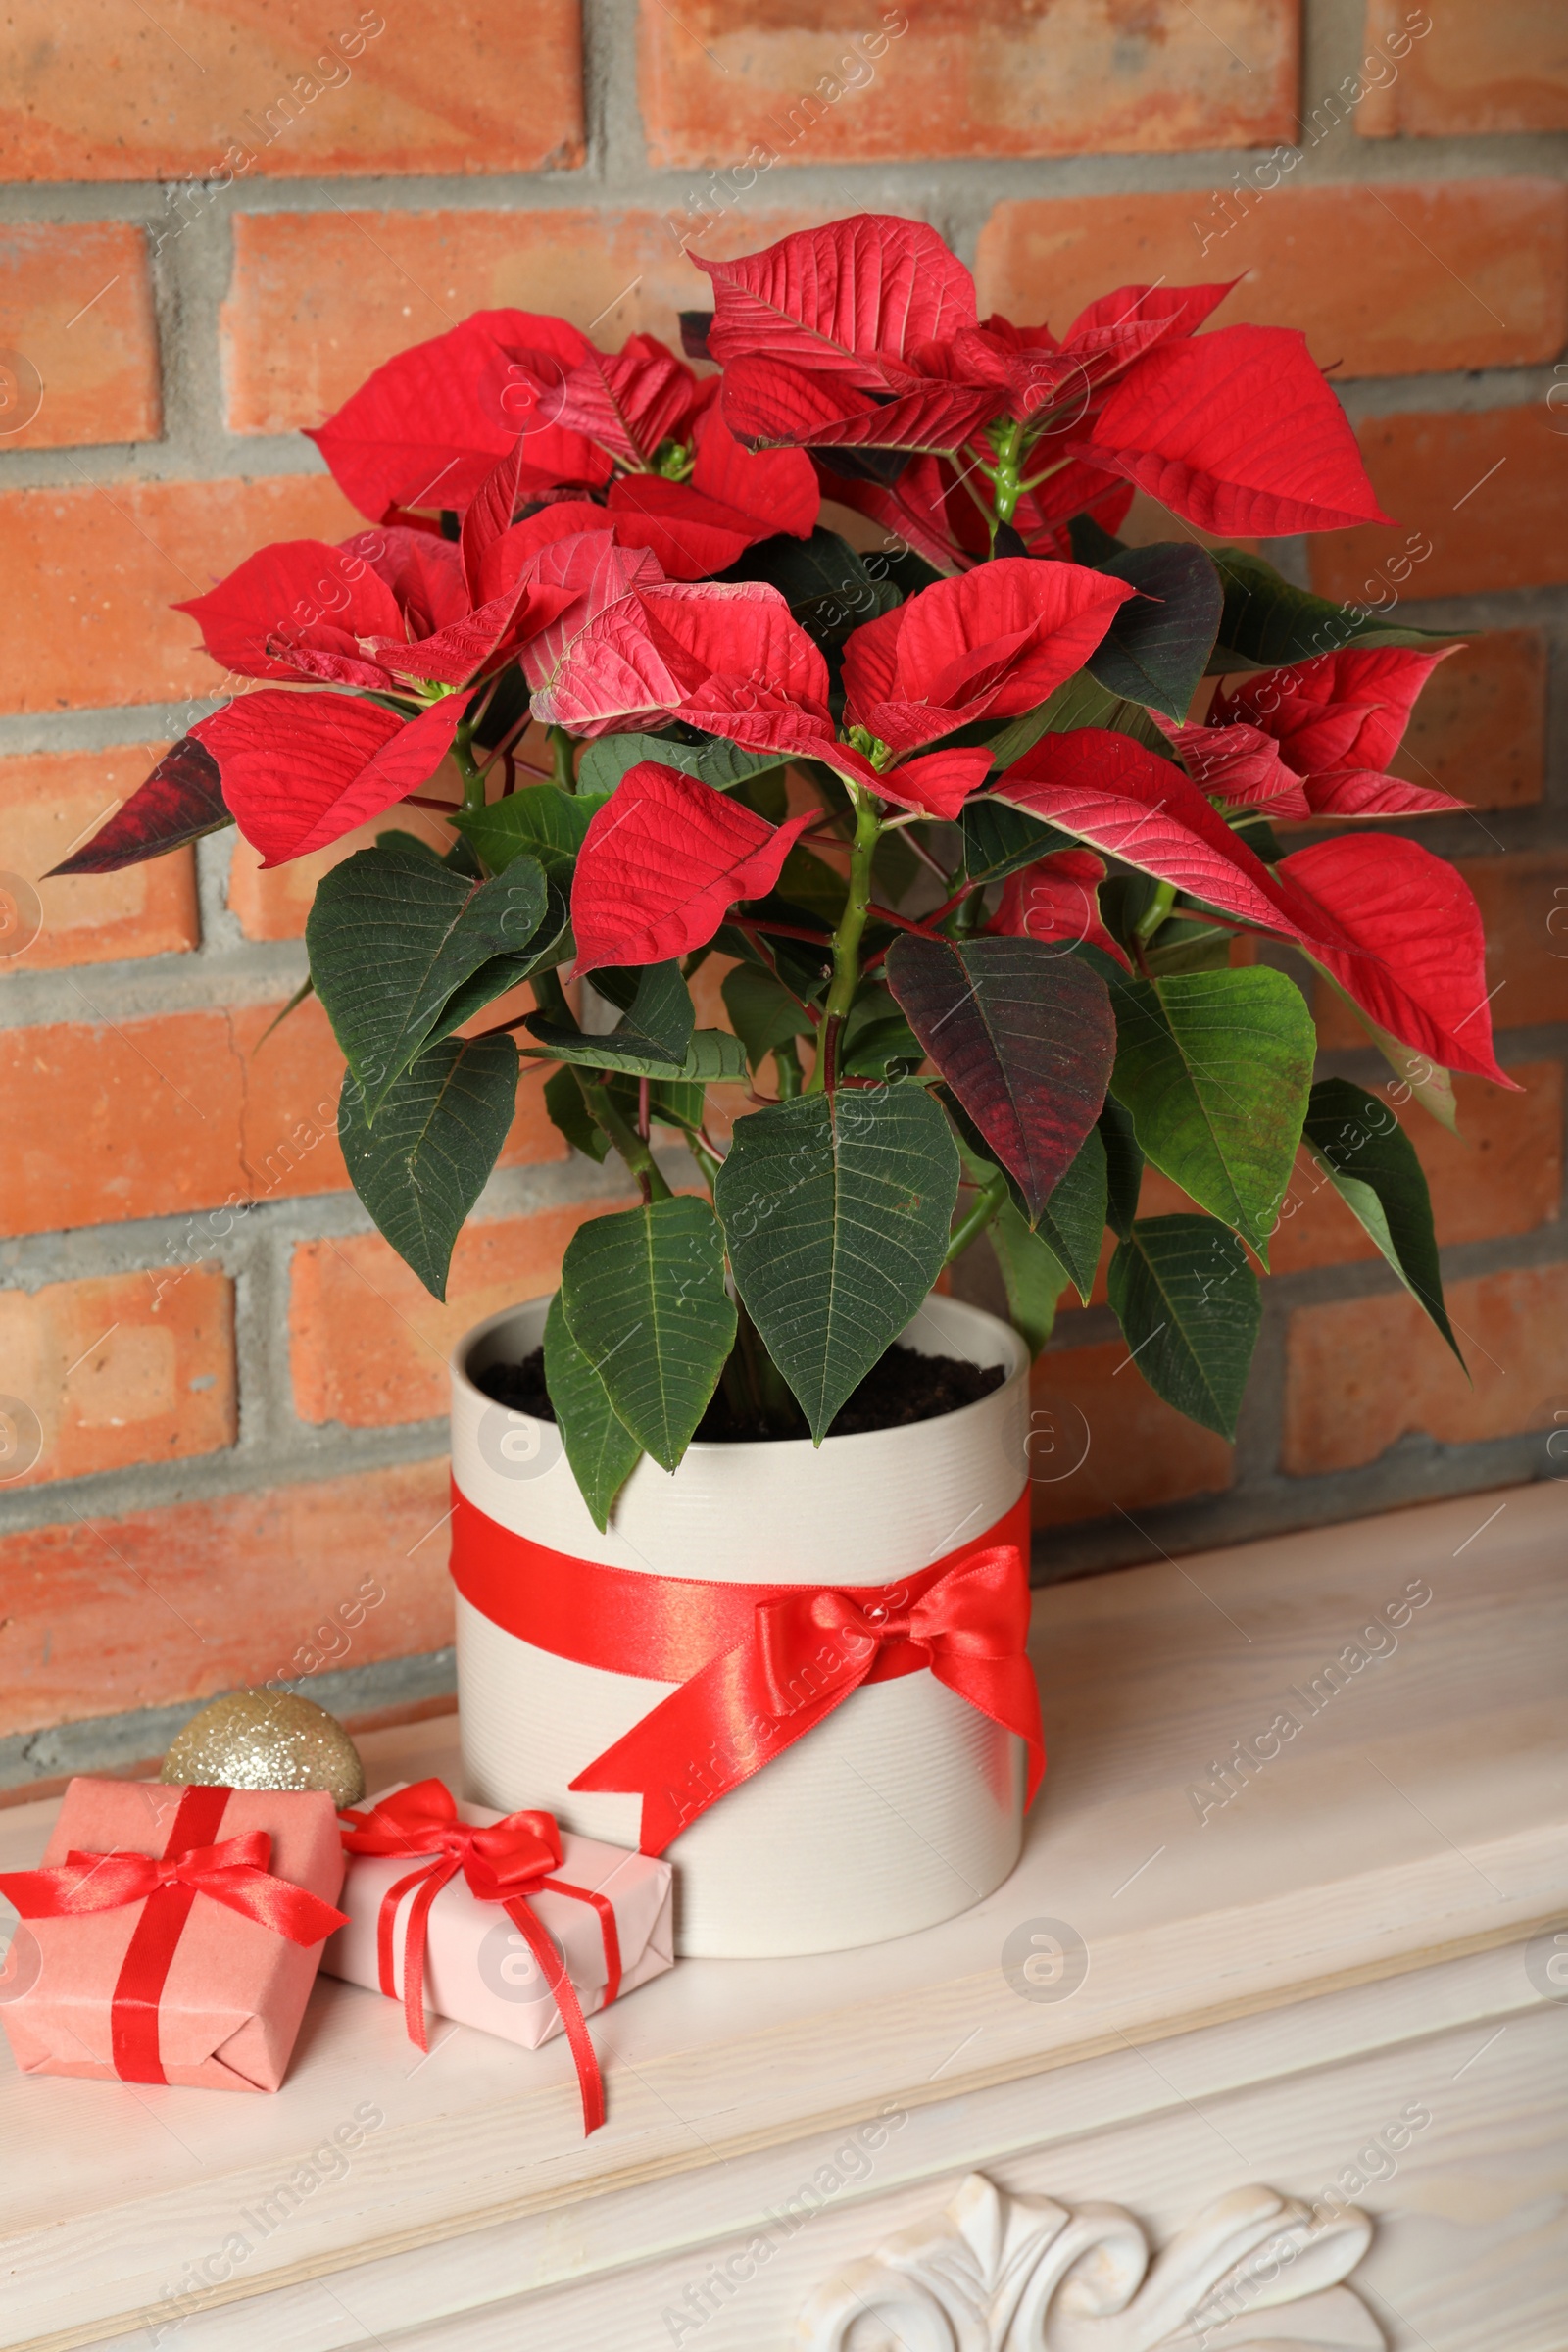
(847, 938)
(960, 915)
(472, 775)
(634, 1149)
(786, 1067)
(1155, 913)
(987, 1203)
(562, 753)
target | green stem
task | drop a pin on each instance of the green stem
(468, 768)
(787, 1069)
(562, 757)
(634, 1149)
(961, 920)
(969, 1229)
(1155, 913)
(847, 938)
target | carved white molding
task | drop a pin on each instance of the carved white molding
(1251, 2273)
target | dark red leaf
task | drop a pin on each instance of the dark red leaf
(1240, 766)
(692, 536)
(1024, 1035)
(181, 800)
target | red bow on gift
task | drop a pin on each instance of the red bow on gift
(234, 1873)
(502, 1864)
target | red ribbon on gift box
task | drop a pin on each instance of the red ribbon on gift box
(234, 1874)
(757, 1666)
(501, 1863)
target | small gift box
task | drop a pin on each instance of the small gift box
(174, 1932)
(500, 1921)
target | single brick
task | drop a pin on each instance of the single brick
(1501, 1174)
(368, 1345)
(187, 1111)
(1363, 1373)
(746, 85)
(1480, 727)
(273, 902)
(103, 1616)
(1396, 280)
(1480, 500)
(1100, 1442)
(78, 329)
(49, 802)
(1475, 69)
(125, 1368)
(1524, 909)
(319, 299)
(93, 573)
(109, 93)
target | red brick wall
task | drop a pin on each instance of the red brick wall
(228, 1392)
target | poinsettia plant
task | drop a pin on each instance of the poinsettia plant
(993, 866)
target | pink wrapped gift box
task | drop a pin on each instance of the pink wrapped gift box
(479, 1970)
(230, 2004)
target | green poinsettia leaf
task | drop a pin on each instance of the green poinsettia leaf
(1158, 643)
(438, 1133)
(826, 584)
(1267, 623)
(601, 1448)
(397, 942)
(1214, 1069)
(1083, 702)
(1032, 1274)
(762, 1011)
(717, 762)
(539, 821)
(1190, 1309)
(1371, 1162)
(836, 1212)
(642, 1296)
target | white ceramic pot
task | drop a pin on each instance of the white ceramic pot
(905, 1804)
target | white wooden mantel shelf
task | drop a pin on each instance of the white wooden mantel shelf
(1206, 2014)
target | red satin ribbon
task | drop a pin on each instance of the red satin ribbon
(234, 1874)
(500, 1863)
(757, 1665)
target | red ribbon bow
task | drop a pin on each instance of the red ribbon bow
(802, 1655)
(757, 1666)
(501, 1863)
(234, 1874)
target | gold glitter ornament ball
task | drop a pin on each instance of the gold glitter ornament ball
(266, 1739)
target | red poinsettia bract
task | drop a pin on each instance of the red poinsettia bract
(727, 657)
(864, 337)
(1337, 722)
(663, 861)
